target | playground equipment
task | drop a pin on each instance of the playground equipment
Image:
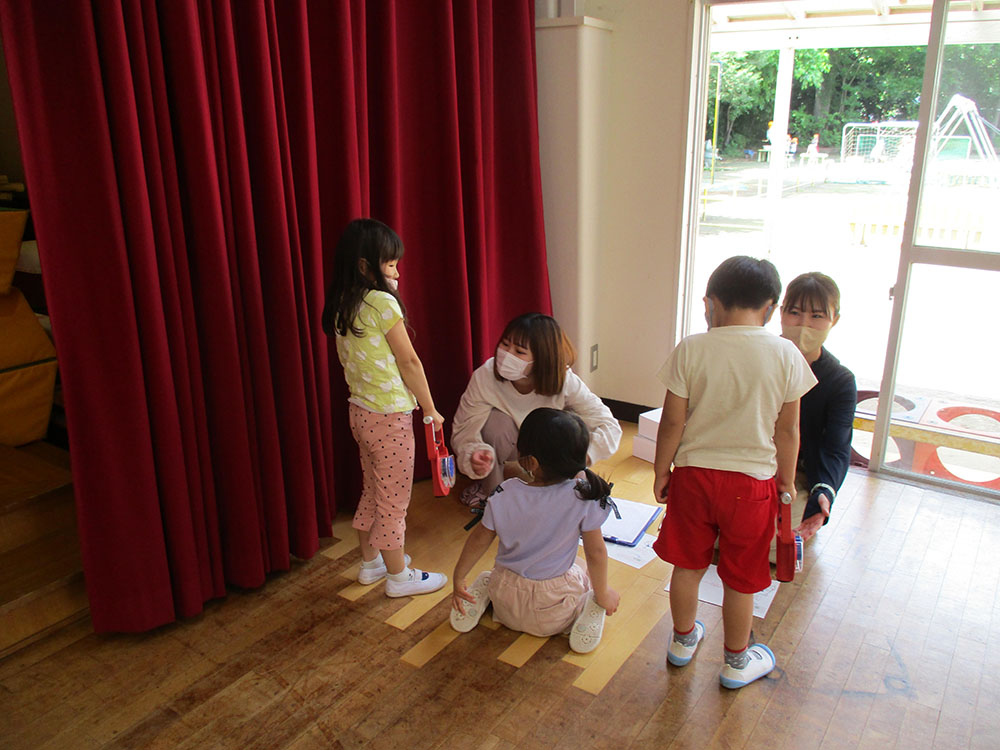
(878, 141)
(963, 111)
(893, 140)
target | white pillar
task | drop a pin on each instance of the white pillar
(779, 143)
(572, 98)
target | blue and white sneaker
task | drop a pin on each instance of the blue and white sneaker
(678, 654)
(760, 662)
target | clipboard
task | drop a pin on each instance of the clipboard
(628, 530)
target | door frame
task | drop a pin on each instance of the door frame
(912, 254)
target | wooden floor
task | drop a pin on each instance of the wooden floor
(889, 638)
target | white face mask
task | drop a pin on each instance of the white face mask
(393, 284)
(807, 339)
(511, 367)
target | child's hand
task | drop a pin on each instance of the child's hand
(660, 485)
(608, 599)
(460, 594)
(437, 419)
(481, 461)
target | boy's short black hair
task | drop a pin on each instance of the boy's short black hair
(745, 282)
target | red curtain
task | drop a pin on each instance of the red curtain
(190, 165)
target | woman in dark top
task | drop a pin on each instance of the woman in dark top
(826, 416)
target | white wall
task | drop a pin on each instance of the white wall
(628, 232)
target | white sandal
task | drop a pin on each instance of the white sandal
(464, 622)
(588, 627)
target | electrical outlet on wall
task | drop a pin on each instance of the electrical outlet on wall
(593, 357)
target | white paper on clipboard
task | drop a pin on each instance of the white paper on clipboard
(628, 530)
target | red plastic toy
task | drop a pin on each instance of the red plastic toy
(442, 462)
(789, 548)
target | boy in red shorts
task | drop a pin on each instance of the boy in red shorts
(730, 427)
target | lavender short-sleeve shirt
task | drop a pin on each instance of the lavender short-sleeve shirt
(539, 528)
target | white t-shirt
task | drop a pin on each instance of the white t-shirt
(485, 393)
(736, 379)
(538, 528)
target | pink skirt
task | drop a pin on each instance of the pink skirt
(541, 608)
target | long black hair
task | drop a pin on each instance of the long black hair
(373, 242)
(559, 440)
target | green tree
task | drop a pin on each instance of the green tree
(747, 92)
(860, 85)
(746, 88)
(832, 87)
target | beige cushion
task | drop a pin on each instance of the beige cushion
(27, 372)
(11, 230)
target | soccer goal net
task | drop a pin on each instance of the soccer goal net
(878, 141)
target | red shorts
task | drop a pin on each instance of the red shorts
(705, 504)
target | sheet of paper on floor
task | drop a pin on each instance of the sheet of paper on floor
(636, 556)
(710, 592)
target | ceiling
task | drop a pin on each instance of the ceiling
(809, 24)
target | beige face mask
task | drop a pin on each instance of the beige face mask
(806, 339)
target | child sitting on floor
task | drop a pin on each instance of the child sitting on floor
(536, 585)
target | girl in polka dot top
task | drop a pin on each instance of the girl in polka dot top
(386, 382)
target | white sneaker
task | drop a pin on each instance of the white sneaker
(588, 627)
(760, 661)
(463, 623)
(368, 576)
(419, 582)
(678, 654)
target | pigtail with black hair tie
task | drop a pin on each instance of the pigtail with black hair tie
(607, 501)
(604, 500)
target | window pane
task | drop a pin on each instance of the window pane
(947, 371)
(961, 191)
(833, 207)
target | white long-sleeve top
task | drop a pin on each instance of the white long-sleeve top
(485, 393)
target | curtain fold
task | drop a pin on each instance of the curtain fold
(190, 165)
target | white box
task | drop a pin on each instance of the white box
(649, 423)
(644, 448)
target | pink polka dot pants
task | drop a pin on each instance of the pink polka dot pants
(386, 445)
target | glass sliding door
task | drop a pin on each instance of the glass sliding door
(898, 199)
(791, 170)
(944, 353)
